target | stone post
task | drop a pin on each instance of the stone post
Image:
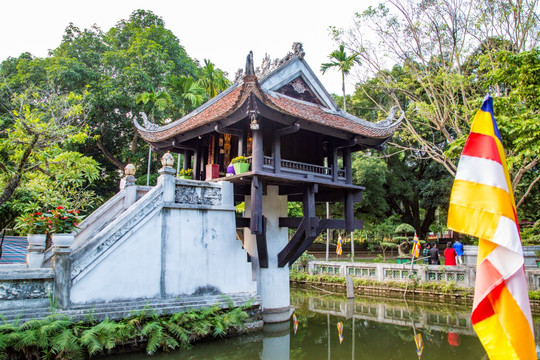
(273, 281)
(128, 184)
(61, 264)
(167, 177)
(36, 247)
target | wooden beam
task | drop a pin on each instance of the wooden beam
(262, 250)
(328, 196)
(223, 130)
(288, 129)
(290, 249)
(242, 222)
(293, 223)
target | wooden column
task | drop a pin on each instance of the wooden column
(347, 164)
(257, 150)
(349, 212)
(187, 159)
(277, 154)
(242, 144)
(332, 160)
(197, 163)
(309, 208)
(256, 206)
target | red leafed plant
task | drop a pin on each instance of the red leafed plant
(64, 221)
(34, 223)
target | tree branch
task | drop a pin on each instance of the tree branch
(110, 156)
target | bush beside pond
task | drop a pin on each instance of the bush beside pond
(57, 337)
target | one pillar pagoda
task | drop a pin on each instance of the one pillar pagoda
(298, 144)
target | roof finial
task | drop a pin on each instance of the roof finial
(250, 70)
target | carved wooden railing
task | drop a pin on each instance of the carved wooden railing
(300, 168)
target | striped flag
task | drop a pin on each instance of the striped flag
(340, 331)
(482, 205)
(416, 246)
(339, 248)
(419, 345)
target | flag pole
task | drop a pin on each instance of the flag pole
(415, 242)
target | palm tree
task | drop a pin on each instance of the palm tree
(213, 79)
(344, 63)
(189, 91)
(156, 101)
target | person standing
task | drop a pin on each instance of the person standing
(434, 255)
(449, 255)
(459, 251)
(425, 254)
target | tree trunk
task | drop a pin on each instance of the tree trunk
(343, 88)
(120, 165)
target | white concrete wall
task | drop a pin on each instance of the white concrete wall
(203, 255)
(166, 245)
(129, 271)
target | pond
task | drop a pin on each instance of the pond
(371, 328)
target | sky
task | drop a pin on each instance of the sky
(223, 31)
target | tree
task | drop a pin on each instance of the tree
(188, 91)
(213, 79)
(38, 169)
(449, 54)
(342, 62)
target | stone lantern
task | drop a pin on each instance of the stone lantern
(167, 160)
(129, 178)
(129, 170)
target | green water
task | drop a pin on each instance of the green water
(373, 328)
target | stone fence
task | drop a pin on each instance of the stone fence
(462, 276)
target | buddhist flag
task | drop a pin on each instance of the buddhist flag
(295, 323)
(416, 246)
(482, 205)
(340, 331)
(339, 248)
(419, 345)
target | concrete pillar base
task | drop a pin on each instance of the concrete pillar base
(279, 315)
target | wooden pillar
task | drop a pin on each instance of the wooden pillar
(277, 154)
(257, 151)
(242, 144)
(197, 163)
(309, 208)
(347, 164)
(332, 160)
(187, 159)
(256, 206)
(349, 212)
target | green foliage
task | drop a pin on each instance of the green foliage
(438, 74)
(405, 229)
(58, 337)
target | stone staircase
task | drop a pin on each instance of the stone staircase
(123, 309)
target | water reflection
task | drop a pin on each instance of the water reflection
(332, 327)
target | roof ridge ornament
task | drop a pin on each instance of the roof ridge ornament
(148, 125)
(250, 70)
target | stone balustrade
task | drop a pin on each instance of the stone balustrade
(462, 276)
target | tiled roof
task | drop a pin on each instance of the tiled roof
(233, 98)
